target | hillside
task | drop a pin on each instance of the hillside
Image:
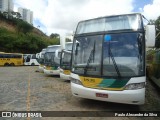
(12, 27)
(7, 26)
(19, 36)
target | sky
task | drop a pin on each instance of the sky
(62, 16)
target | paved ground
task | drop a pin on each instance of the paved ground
(23, 89)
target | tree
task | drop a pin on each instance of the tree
(157, 23)
(151, 22)
(68, 40)
(24, 27)
(54, 35)
(18, 15)
(5, 14)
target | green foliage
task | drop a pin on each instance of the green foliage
(54, 35)
(23, 27)
(10, 20)
(157, 23)
(54, 41)
(68, 40)
(6, 40)
(26, 41)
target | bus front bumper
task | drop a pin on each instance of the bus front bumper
(51, 72)
(136, 97)
(64, 76)
(41, 68)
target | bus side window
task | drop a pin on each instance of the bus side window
(1, 56)
(27, 59)
(34, 56)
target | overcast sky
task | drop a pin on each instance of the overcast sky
(62, 16)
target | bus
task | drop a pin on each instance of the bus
(11, 59)
(50, 63)
(153, 65)
(41, 60)
(108, 58)
(65, 60)
(30, 59)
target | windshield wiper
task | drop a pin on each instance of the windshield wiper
(139, 38)
(114, 62)
(90, 58)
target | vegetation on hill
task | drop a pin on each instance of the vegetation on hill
(157, 23)
(17, 35)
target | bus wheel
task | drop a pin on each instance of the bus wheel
(32, 64)
(12, 64)
(6, 64)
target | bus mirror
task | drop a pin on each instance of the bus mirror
(62, 54)
(150, 36)
(56, 53)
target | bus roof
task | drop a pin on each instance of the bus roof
(52, 48)
(132, 21)
(53, 45)
(10, 53)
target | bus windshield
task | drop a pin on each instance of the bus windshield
(55, 61)
(65, 60)
(117, 54)
(68, 46)
(50, 54)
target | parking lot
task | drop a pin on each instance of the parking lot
(25, 89)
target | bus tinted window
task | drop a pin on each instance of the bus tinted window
(123, 22)
(34, 56)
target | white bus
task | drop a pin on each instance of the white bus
(30, 59)
(41, 60)
(50, 63)
(108, 58)
(65, 61)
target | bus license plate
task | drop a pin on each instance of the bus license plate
(101, 95)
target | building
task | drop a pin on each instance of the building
(6, 5)
(26, 15)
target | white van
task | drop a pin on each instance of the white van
(30, 59)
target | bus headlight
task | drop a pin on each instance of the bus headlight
(134, 86)
(61, 70)
(76, 81)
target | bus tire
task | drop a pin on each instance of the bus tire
(12, 64)
(32, 64)
(6, 64)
